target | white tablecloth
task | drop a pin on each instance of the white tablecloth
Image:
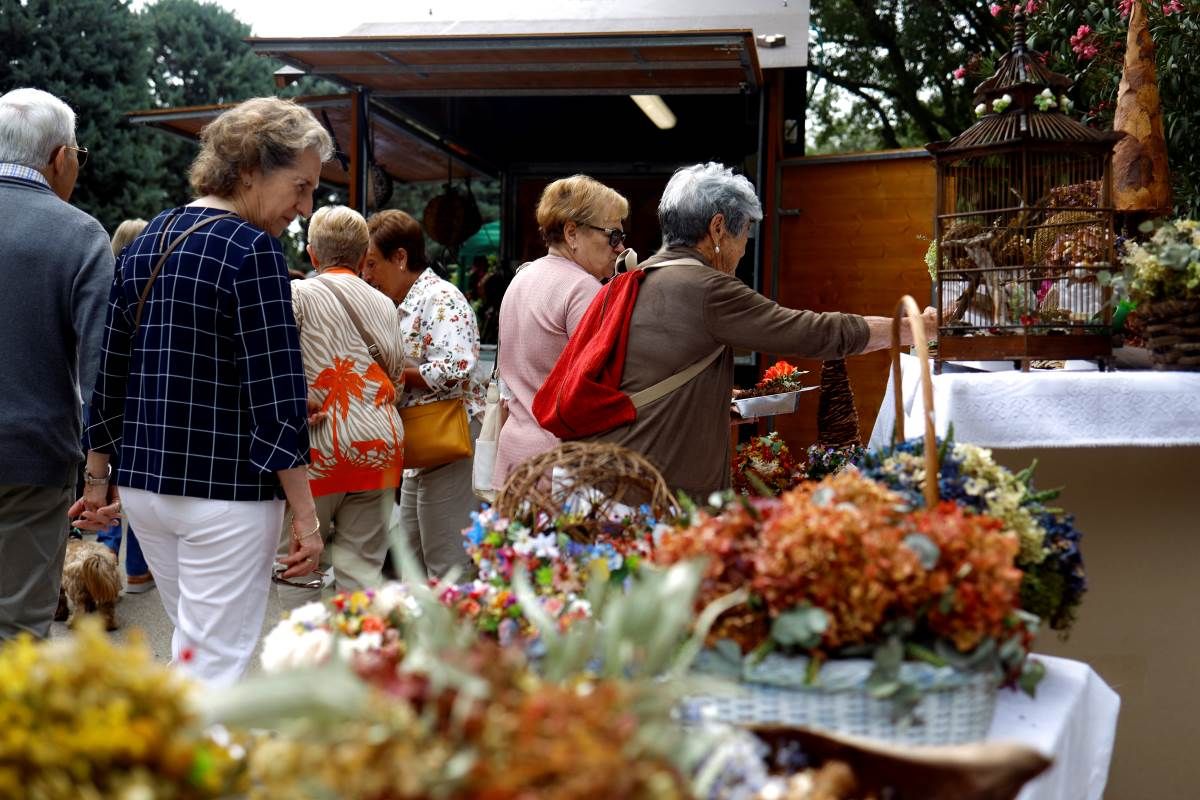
(1050, 409)
(1073, 720)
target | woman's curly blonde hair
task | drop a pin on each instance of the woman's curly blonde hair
(263, 133)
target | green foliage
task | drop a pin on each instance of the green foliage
(1097, 77)
(171, 53)
(198, 58)
(883, 74)
(100, 71)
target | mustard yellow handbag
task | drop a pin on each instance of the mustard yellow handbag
(435, 433)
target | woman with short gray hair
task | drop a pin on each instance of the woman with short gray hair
(693, 312)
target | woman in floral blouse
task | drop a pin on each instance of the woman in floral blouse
(441, 347)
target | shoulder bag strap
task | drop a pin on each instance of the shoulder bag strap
(162, 259)
(667, 385)
(356, 321)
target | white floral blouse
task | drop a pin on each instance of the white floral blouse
(441, 338)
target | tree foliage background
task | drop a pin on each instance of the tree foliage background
(901, 73)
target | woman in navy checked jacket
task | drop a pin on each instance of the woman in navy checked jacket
(205, 400)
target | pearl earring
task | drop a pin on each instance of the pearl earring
(718, 248)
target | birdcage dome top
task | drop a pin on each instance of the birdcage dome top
(1023, 102)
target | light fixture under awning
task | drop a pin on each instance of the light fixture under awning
(656, 109)
(706, 62)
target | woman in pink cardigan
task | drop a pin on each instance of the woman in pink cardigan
(580, 220)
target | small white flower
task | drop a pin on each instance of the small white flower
(1001, 103)
(394, 596)
(544, 545)
(716, 500)
(288, 646)
(581, 606)
(981, 109)
(522, 543)
(310, 615)
(363, 643)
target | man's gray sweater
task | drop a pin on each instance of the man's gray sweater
(56, 267)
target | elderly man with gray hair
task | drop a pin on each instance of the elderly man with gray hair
(56, 268)
(694, 312)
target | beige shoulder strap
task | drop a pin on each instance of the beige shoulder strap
(667, 385)
(355, 320)
(676, 262)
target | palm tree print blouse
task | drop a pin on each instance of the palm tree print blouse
(360, 445)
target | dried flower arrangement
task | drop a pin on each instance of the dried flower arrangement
(845, 568)
(458, 716)
(1049, 557)
(779, 378)
(82, 717)
(764, 466)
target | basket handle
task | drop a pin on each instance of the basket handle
(909, 306)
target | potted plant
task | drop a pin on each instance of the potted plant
(1162, 276)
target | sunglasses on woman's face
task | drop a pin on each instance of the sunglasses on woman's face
(616, 236)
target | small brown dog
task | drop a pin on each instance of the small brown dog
(91, 581)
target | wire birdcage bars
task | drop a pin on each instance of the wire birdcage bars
(1024, 223)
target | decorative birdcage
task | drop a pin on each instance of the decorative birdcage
(1024, 223)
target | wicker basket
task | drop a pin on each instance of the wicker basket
(1173, 333)
(594, 481)
(955, 707)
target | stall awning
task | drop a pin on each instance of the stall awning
(689, 62)
(405, 152)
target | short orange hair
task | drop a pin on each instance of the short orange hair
(580, 199)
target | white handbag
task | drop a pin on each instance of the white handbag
(489, 441)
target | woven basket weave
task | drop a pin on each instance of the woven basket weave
(955, 708)
(590, 481)
(1173, 333)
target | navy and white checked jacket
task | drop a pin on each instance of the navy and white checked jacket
(213, 402)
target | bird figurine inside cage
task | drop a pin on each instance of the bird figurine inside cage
(1024, 223)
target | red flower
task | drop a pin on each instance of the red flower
(780, 369)
(960, 73)
(1125, 7)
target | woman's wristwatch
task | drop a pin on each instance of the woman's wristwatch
(97, 480)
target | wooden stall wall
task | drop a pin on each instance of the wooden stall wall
(853, 230)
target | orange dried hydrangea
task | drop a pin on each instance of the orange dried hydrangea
(838, 545)
(975, 574)
(729, 541)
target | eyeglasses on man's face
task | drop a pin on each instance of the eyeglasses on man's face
(81, 153)
(616, 236)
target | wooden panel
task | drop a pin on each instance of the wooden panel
(855, 245)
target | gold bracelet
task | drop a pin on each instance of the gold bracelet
(300, 538)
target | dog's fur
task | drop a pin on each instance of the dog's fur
(91, 581)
